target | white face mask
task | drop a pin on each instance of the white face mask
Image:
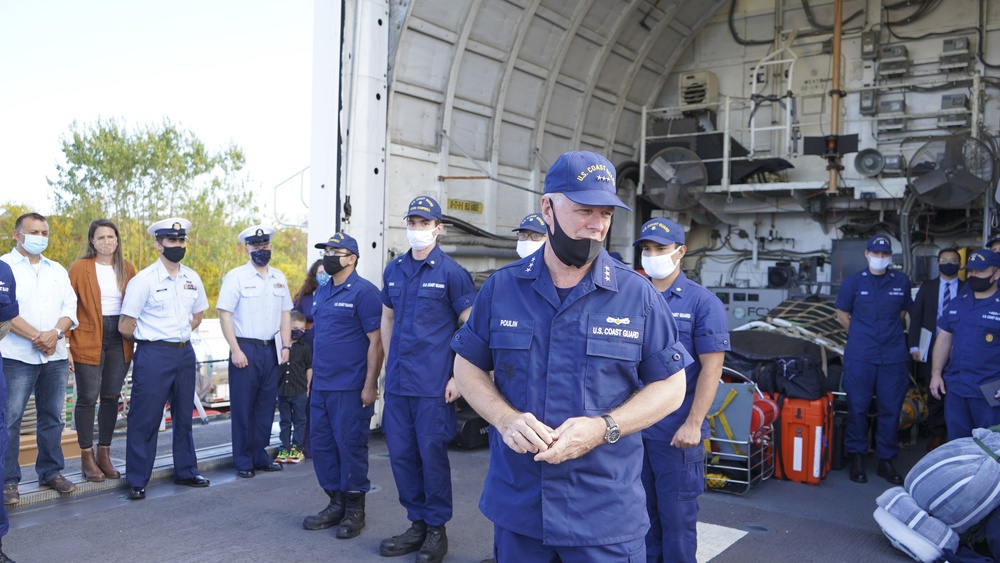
(879, 264)
(420, 240)
(659, 267)
(526, 248)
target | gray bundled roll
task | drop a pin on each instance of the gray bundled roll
(959, 482)
(899, 504)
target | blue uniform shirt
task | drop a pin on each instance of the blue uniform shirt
(876, 334)
(8, 293)
(427, 297)
(162, 306)
(343, 316)
(255, 301)
(584, 356)
(975, 349)
(702, 328)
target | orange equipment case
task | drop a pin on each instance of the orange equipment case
(802, 439)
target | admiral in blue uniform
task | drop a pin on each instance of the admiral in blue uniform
(531, 234)
(971, 325)
(163, 304)
(585, 355)
(871, 306)
(346, 364)
(8, 311)
(254, 306)
(425, 294)
(673, 472)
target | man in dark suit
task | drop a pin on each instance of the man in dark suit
(930, 302)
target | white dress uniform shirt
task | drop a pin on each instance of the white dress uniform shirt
(163, 306)
(44, 295)
(255, 301)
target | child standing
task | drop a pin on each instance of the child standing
(293, 383)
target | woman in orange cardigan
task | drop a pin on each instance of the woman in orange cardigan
(99, 353)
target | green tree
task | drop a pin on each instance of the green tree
(137, 176)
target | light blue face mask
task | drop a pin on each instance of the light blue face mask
(34, 244)
(322, 278)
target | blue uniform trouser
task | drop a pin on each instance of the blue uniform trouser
(48, 382)
(417, 432)
(510, 547)
(160, 374)
(888, 382)
(673, 478)
(340, 429)
(4, 522)
(253, 394)
(962, 414)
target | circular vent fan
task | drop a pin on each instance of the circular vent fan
(675, 179)
(951, 172)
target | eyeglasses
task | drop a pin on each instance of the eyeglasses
(530, 235)
(333, 252)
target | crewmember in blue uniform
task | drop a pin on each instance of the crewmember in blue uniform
(346, 363)
(971, 325)
(530, 234)
(163, 304)
(254, 305)
(8, 311)
(871, 306)
(672, 471)
(584, 355)
(425, 294)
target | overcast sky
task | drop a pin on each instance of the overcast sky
(228, 70)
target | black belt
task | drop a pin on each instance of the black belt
(164, 343)
(242, 340)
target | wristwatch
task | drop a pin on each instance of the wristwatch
(60, 334)
(613, 433)
(286, 347)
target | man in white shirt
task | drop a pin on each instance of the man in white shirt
(34, 355)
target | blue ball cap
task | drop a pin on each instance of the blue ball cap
(533, 222)
(341, 240)
(425, 207)
(996, 238)
(661, 231)
(586, 178)
(982, 259)
(880, 243)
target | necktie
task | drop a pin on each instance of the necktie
(947, 296)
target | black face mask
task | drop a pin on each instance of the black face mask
(979, 284)
(297, 334)
(332, 264)
(260, 257)
(948, 269)
(174, 253)
(572, 252)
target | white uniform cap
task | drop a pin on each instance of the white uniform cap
(257, 234)
(174, 227)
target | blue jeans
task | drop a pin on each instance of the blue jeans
(48, 381)
(292, 416)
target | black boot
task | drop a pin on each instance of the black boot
(888, 472)
(435, 546)
(354, 516)
(407, 542)
(329, 516)
(858, 474)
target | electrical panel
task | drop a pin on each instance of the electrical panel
(954, 102)
(867, 105)
(954, 55)
(698, 89)
(894, 61)
(744, 305)
(894, 167)
(869, 45)
(887, 110)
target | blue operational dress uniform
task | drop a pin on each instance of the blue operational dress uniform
(8, 310)
(876, 358)
(163, 366)
(674, 477)
(344, 315)
(975, 357)
(561, 358)
(257, 303)
(427, 297)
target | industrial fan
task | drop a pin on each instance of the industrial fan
(675, 179)
(952, 171)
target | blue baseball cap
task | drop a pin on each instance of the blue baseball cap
(982, 259)
(996, 238)
(586, 178)
(661, 231)
(534, 223)
(425, 207)
(341, 240)
(880, 243)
